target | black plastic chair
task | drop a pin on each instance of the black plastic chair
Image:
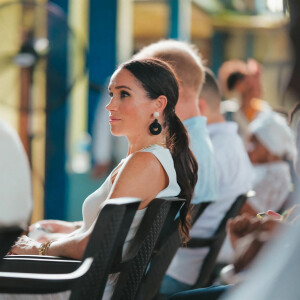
(160, 212)
(86, 279)
(168, 243)
(130, 269)
(215, 243)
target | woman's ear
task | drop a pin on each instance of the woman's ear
(160, 103)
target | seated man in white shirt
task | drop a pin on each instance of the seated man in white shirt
(15, 180)
(234, 178)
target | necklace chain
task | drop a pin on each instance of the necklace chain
(159, 144)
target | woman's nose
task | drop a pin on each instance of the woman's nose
(111, 105)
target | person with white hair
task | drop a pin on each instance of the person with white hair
(271, 146)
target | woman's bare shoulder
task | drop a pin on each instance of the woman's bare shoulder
(142, 159)
(133, 180)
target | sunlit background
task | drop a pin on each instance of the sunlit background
(55, 58)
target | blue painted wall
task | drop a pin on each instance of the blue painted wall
(102, 49)
(173, 19)
(57, 113)
(218, 44)
(102, 63)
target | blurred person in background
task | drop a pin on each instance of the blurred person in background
(275, 271)
(234, 172)
(15, 180)
(241, 84)
(271, 146)
(275, 275)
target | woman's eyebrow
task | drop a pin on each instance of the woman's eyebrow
(122, 87)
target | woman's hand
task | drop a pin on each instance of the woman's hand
(248, 247)
(240, 226)
(25, 245)
(248, 235)
(53, 226)
(243, 225)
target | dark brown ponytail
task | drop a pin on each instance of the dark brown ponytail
(158, 78)
(186, 167)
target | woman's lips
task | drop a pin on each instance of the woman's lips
(112, 119)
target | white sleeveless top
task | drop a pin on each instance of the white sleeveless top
(96, 201)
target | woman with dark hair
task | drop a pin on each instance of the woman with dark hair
(157, 82)
(142, 108)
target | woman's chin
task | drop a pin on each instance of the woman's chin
(116, 133)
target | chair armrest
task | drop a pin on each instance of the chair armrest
(17, 282)
(36, 257)
(38, 264)
(201, 242)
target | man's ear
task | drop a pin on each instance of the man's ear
(160, 103)
(202, 106)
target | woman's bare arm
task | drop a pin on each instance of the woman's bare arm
(142, 177)
(70, 246)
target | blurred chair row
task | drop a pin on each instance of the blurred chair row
(140, 275)
(168, 245)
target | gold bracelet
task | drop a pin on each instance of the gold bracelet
(44, 248)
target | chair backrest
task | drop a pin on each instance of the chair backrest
(109, 233)
(197, 210)
(159, 212)
(111, 228)
(165, 249)
(8, 236)
(214, 243)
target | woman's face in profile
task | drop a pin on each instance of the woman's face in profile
(130, 110)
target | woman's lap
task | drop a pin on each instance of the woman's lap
(171, 286)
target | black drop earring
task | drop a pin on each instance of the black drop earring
(155, 127)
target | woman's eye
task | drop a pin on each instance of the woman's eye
(110, 94)
(124, 94)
